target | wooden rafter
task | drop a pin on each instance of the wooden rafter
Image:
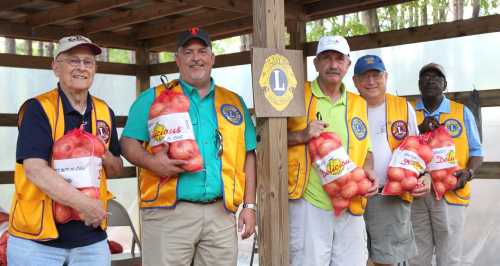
(328, 8)
(72, 11)
(176, 25)
(53, 33)
(12, 4)
(419, 34)
(217, 31)
(239, 6)
(130, 17)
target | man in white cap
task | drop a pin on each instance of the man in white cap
(317, 237)
(35, 237)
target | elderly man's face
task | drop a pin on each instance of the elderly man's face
(371, 84)
(331, 66)
(195, 61)
(75, 68)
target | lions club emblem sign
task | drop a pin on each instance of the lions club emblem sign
(278, 81)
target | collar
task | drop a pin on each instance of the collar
(444, 107)
(67, 107)
(190, 89)
(318, 93)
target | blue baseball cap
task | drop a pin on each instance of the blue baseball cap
(368, 62)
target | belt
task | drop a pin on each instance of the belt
(202, 202)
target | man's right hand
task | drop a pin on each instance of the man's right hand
(314, 129)
(430, 123)
(162, 165)
(91, 211)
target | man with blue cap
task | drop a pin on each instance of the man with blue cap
(390, 120)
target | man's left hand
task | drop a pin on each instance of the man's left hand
(463, 176)
(374, 188)
(246, 223)
(423, 186)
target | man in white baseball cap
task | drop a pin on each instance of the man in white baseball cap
(43, 240)
(317, 237)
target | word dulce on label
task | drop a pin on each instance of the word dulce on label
(443, 158)
(80, 172)
(407, 160)
(334, 165)
(169, 128)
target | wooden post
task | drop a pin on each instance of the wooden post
(272, 180)
(297, 31)
(142, 76)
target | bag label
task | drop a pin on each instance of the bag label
(334, 165)
(169, 128)
(407, 160)
(443, 158)
(80, 172)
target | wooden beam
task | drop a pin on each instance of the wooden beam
(40, 62)
(217, 31)
(235, 59)
(272, 166)
(125, 18)
(7, 177)
(10, 120)
(12, 4)
(142, 75)
(419, 34)
(183, 23)
(54, 33)
(328, 8)
(72, 11)
(238, 6)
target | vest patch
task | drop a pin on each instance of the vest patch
(359, 128)
(454, 127)
(103, 131)
(399, 129)
(231, 114)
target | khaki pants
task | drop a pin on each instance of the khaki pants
(201, 233)
(438, 228)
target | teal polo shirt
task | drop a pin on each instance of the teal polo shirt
(207, 184)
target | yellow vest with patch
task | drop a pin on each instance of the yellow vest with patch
(396, 111)
(31, 212)
(299, 161)
(154, 193)
(455, 123)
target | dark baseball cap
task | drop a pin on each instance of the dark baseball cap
(433, 66)
(368, 62)
(193, 33)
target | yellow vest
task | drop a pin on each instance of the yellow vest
(454, 122)
(396, 110)
(31, 212)
(299, 161)
(231, 124)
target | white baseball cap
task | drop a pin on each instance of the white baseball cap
(333, 43)
(69, 42)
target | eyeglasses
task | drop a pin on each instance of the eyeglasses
(219, 143)
(76, 62)
(375, 75)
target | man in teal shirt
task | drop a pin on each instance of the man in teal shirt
(199, 228)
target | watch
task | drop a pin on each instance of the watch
(252, 206)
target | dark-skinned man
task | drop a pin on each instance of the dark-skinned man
(439, 225)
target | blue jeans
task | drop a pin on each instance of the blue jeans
(23, 252)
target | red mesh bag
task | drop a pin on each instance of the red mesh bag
(443, 164)
(77, 156)
(171, 130)
(407, 163)
(341, 178)
(4, 236)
